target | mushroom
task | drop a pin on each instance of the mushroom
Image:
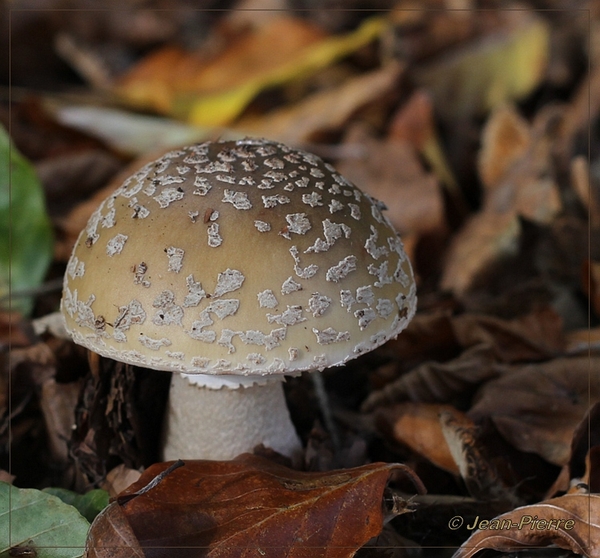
(232, 264)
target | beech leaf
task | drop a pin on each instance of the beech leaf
(537, 407)
(23, 218)
(214, 92)
(249, 505)
(39, 521)
(569, 522)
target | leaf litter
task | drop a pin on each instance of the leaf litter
(478, 134)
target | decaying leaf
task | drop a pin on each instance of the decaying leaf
(476, 469)
(417, 425)
(484, 344)
(491, 71)
(390, 171)
(434, 382)
(214, 91)
(415, 123)
(505, 139)
(568, 522)
(538, 406)
(515, 164)
(485, 238)
(247, 505)
(325, 110)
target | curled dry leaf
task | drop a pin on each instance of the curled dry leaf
(516, 167)
(213, 91)
(568, 522)
(483, 344)
(537, 407)
(325, 110)
(390, 171)
(477, 470)
(434, 382)
(247, 505)
(417, 425)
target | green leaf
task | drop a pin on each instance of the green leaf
(89, 504)
(29, 517)
(25, 228)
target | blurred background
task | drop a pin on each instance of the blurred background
(475, 122)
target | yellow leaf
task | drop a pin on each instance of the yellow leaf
(214, 90)
(223, 107)
(491, 72)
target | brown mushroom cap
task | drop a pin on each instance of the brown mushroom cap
(240, 257)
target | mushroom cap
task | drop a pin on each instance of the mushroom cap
(240, 257)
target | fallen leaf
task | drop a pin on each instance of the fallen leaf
(537, 407)
(465, 350)
(213, 92)
(390, 171)
(119, 478)
(484, 239)
(57, 403)
(414, 123)
(590, 282)
(417, 425)
(568, 522)
(532, 337)
(434, 382)
(23, 218)
(89, 504)
(477, 470)
(488, 72)
(249, 504)
(325, 110)
(506, 137)
(133, 134)
(41, 521)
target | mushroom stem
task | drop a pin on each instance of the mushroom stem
(205, 423)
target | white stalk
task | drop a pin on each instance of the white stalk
(206, 423)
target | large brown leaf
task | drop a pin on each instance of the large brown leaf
(570, 522)
(246, 507)
(537, 407)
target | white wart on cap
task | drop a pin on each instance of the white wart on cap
(239, 258)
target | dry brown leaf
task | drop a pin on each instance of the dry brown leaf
(482, 343)
(477, 470)
(247, 505)
(590, 282)
(537, 407)
(417, 425)
(57, 402)
(159, 78)
(569, 522)
(535, 336)
(484, 239)
(414, 123)
(326, 110)
(119, 478)
(516, 165)
(505, 139)
(526, 187)
(390, 171)
(581, 341)
(434, 382)
(111, 536)
(429, 336)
